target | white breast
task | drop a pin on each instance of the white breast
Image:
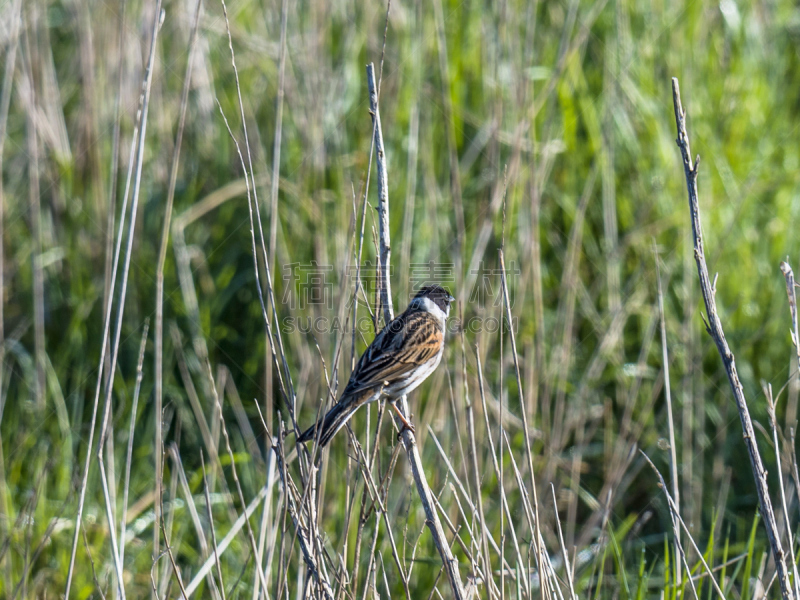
(416, 377)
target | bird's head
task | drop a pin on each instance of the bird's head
(433, 298)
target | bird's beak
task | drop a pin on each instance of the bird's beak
(450, 299)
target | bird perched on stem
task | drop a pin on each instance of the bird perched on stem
(397, 361)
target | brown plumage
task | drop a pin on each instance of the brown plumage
(400, 358)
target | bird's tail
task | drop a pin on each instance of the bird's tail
(336, 418)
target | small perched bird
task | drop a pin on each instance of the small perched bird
(400, 358)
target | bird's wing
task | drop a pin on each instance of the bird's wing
(409, 341)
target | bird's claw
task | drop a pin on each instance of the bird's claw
(407, 425)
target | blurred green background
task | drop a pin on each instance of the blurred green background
(547, 124)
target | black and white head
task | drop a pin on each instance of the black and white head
(433, 299)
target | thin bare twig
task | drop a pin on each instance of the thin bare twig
(126, 484)
(537, 536)
(250, 536)
(773, 421)
(567, 569)
(213, 529)
(714, 329)
(676, 519)
(91, 563)
(226, 541)
(166, 537)
(303, 523)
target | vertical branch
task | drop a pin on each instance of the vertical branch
(714, 329)
(383, 200)
(407, 436)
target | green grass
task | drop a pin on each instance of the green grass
(550, 103)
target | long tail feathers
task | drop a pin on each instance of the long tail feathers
(336, 418)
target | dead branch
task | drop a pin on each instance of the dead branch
(714, 328)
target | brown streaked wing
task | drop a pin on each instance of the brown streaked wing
(409, 341)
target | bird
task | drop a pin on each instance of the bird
(398, 360)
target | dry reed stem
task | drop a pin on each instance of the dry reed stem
(773, 421)
(473, 509)
(673, 517)
(123, 523)
(195, 516)
(547, 578)
(91, 563)
(162, 256)
(289, 394)
(714, 329)
(250, 535)
(5, 102)
(135, 158)
(406, 435)
(673, 459)
(210, 517)
(273, 232)
(565, 556)
(166, 537)
(677, 519)
(528, 452)
(226, 542)
(476, 473)
(304, 525)
(498, 468)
